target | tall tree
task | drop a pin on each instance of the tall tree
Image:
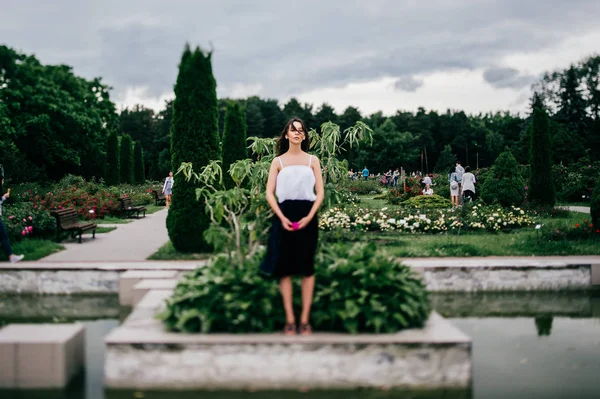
(139, 173)
(541, 185)
(255, 119)
(274, 118)
(325, 114)
(234, 141)
(445, 161)
(195, 139)
(126, 160)
(112, 172)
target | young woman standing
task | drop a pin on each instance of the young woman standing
(295, 193)
(168, 189)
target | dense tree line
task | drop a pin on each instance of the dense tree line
(53, 122)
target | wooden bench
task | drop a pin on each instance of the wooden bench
(67, 221)
(128, 209)
(159, 197)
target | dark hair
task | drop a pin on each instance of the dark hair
(467, 169)
(283, 144)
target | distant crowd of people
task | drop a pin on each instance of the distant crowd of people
(461, 181)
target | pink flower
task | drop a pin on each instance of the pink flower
(30, 218)
(25, 220)
(30, 228)
(23, 233)
(11, 217)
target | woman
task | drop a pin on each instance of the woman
(427, 190)
(468, 185)
(453, 180)
(4, 235)
(293, 178)
(168, 189)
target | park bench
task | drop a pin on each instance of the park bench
(159, 197)
(67, 221)
(128, 209)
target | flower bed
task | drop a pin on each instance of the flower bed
(432, 221)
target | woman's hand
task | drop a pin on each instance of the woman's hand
(286, 223)
(302, 223)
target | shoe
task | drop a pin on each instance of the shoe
(305, 329)
(16, 258)
(289, 329)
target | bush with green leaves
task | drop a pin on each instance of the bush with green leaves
(504, 185)
(23, 220)
(362, 187)
(356, 291)
(427, 202)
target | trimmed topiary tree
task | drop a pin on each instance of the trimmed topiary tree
(195, 139)
(541, 184)
(126, 159)
(139, 174)
(595, 205)
(112, 172)
(234, 140)
(504, 185)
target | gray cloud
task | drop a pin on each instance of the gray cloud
(408, 83)
(287, 49)
(507, 78)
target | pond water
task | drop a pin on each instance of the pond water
(541, 345)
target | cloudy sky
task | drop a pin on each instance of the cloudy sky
(474, 55)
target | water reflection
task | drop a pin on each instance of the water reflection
(525, 346)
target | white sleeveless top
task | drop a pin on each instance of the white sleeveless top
(295, 182)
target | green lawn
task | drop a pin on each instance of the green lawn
(520, 242)
(168, 252)
(34, 248)
(102, 230)
(150, 209)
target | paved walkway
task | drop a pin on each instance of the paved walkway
(582, 209)
(133, 241)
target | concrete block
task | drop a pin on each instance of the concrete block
(143, 287)
(130, 278)
(43, 355)
(596, 274)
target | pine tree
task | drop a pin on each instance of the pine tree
(111, 175)
(194, 138)
(595, 205)
(139, 173)
(234, 140)
(504, 186)
(541, 185)
(126, 160)
(445, 161)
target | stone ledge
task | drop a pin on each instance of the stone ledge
(40, 355)
(130, 278)
(141, 355)
(143, 287)
(104, 266)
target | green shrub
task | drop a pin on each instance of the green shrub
(24, 191)
(504, 185)
(427, 202)
(356, 291)
(126, 159)
(139, 173)
(362, 187)
(112, 173)
(24, 220)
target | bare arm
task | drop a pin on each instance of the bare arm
(271, 181)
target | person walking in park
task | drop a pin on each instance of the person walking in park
(453, 180)
(395, 177)
(459, 173)
(295, 192)
(168, 189)
(468, 185)
(365, 173)
(4, 234)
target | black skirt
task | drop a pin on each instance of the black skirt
(292, 253)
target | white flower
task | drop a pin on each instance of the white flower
(392, 221)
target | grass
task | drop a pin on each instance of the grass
(102, 230)
(35, 248)
(168, 252)
(150, 209)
